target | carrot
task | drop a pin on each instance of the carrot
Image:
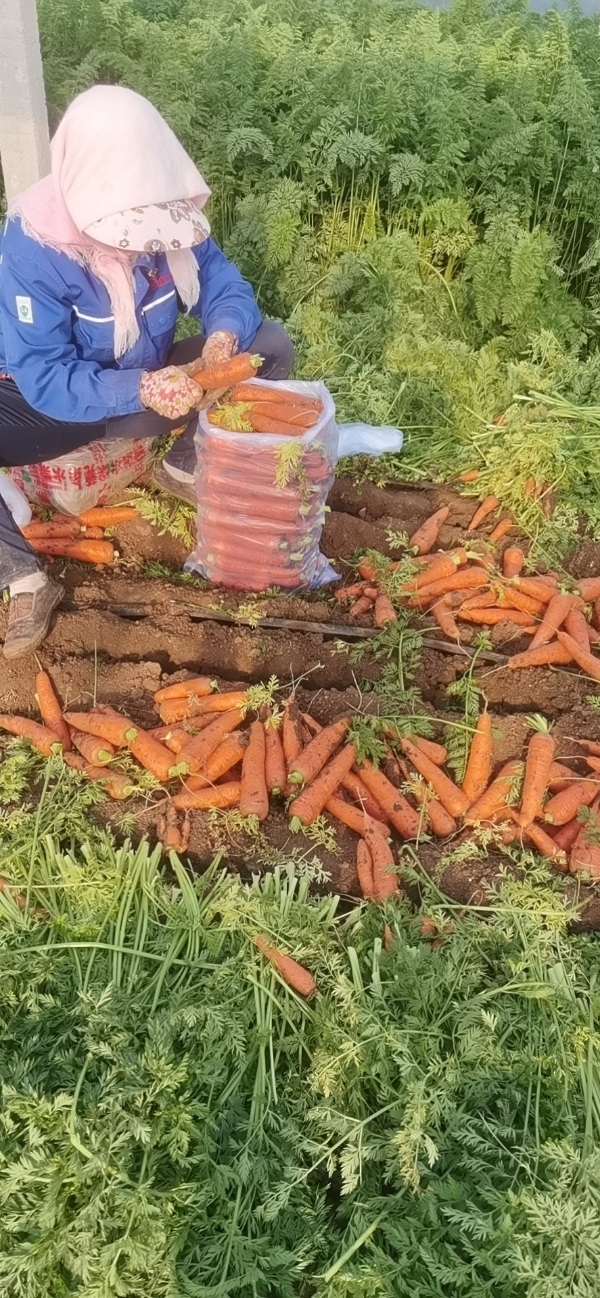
(493, 616)
(117, 785)
(556, 612)
(230, 751)
(254, 798)
(366, 569)
(221, 796)
(43, 739)
(310, 802)
(597, 613)
(486, 507)
(358, 790)
(198, 685)
(584, 659)
(52, 715)
(565, 805)
(541, 588)
(385, 882)
(341, 810)
(435, 752)
(505, 525)
(462, 580)
(567, 834)
(350, 592)
(96, 751)
(442, 824)
(427, 534)
(273, 427)
(293, 973)
(487, 599)
(236, 370)
(589, 588)
(223, 702)
(274, 392)
(298, 416)
(470, 475)
(512, 561)
(364, 870)
(538, 763)
(173, 710)
(275, 772)
(69, 527)
(118, 730)
(494, 798)
(156, 757)
(546, 845)
(450, 796)
(397, 809)
(547, 655)
(361, 606)
(576, 626)
(197, 752)
(291, 732)
(384, 611)
(590, 745)
(83, 551)
(442, 613)
(479, 764)
(443, 565)
(518, 599)
(585, 853)
(312, 759)
(593, 763)
(561, 777)
(107, 515)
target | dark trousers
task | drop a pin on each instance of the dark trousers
(28, 437)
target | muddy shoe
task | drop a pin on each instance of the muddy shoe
(175, 481)
(29, 618)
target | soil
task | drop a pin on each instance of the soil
(121, 634)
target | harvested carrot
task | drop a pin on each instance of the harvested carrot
(254, 798)
(68, 527)
(83, 551)
(470, 475)
(96, 751)
(313, 758)
(545, 845)
(174, 710)
(576, 626)
(364, 870)
(291, 732)
(273, 427)
(427, 534)
(565, 805)
(435, 752)
(561, 777)
(584, 659)
(292, 973)
(311, 801)
(463, 579)
(107, 515)
(385, 881)
(341, 810)
(518, 599)
(585, 853)
(494, 799)
(384, 611)
(553, 654)
(200, 686)
(52, 714)
(442, 613)
(398, 810)
(350, 592)
(485, 599)
(367, 569)
(275, 772)
(440, 821)
(358, 790)
(505, 525)
(223, 702)
(117, 785)
(443, 565)
(118, 730)
(512, 561)
(275, 393)
(486, 507)
(597, 613)
(221, 762)
(223, 375)
(593, 763)
(566, 835)
(590, 745)
(479, 764)
(538, 763)
(156, 757)
(450, 796)
(493, 616)
(542, 588)
(589, 588)
(221, 796)
(197, 752)
(43, 739)
(298, 416)
(361, 606)
(556, 612)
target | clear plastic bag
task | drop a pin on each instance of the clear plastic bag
(14, 500)
(261, 502)
(366, 439)
(93, 475)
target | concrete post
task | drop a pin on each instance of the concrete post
(24, 137)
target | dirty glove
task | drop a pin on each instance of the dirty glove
(169, 392)
(218, 347)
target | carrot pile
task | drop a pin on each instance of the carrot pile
(82, 538)
(269, 409)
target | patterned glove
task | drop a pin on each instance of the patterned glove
(169, 392)
(219, 347)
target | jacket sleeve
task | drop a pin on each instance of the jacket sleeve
(226, 300)
(41, 356)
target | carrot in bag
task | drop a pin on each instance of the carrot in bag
(275, 393)
(427, 534)
(299, 416)
(293, 973)
(254, 798)
(52, 714)
(44, 740)
(273, 427)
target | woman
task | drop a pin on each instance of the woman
(95, 261)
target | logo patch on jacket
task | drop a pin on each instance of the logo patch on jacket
(24, 309)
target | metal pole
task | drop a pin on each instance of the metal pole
(24, 136)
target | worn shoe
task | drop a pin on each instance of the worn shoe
(29, 618)
(176, 482)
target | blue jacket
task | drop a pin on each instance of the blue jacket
(56, 326)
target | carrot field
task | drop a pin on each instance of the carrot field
(299, 893)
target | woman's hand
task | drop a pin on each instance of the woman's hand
(219, 347)
(169, 392)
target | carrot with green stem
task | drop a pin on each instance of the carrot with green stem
(229, 752)
(294, 974)
(395, 806)
(51, 710)
(220, 797)
(495, 798)
(44, 740)
(427, 534)
(512, 561)
(479, 762)
(199, 686)
(442, 566)
(197, 752)
(254, 798)
(556, 612)
(227, 373)
(96, 751)
(538, 764)
(364, 870)
(156, 757)
(385, 881)
(450, 796)
(583, 657)
(117, 730)
(313, 758)
(486, 507)
(311, 801)
(118, 786)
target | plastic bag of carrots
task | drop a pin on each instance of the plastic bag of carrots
(262, 494)
(91, 476)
